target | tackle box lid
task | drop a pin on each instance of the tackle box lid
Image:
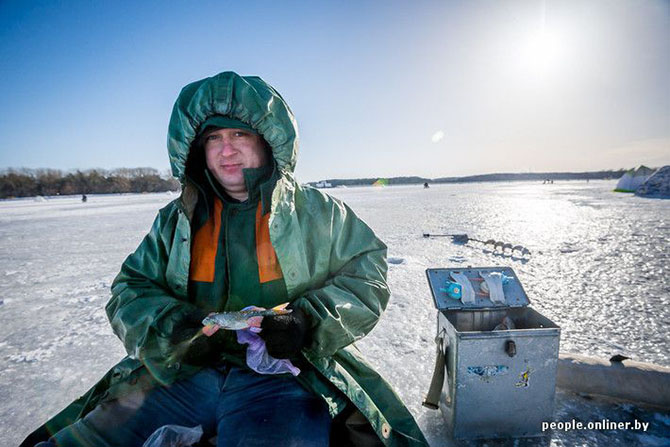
(439, 279)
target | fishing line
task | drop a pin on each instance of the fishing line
(181, 348)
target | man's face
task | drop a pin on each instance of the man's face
(227, 152)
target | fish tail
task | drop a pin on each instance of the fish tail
(281, 309)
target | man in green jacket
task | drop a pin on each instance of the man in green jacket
(243, 233)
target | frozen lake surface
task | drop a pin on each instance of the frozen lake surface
(599, 268)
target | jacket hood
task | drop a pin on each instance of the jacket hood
(246, 98)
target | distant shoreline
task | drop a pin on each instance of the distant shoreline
(25, 182)
(498, 177)
(44, 182)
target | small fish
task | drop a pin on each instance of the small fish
(240, 319)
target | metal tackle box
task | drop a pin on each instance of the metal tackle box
(499, 355)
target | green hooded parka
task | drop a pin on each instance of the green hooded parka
(333, 265)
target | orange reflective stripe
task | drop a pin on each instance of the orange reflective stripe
(268, 265)
(205, 244)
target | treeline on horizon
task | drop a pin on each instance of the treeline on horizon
(51, 182)
(501, 177)
(23, 182)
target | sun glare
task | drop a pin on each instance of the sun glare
(542, 53)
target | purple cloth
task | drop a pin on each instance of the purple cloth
(258, 358)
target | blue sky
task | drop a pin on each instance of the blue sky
(379, 89)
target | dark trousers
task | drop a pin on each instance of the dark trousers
(239, 406)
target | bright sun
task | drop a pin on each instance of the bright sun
(542, 53)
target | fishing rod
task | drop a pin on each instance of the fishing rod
(463, 239)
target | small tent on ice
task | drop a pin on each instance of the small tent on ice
(633, 179)
(658, 185)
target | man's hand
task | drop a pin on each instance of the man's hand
(285, 335)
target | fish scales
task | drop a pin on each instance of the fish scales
(239, 319)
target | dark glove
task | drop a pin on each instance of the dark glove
(191, 349)
(285, 335)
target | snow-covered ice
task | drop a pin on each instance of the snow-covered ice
(599, 269)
